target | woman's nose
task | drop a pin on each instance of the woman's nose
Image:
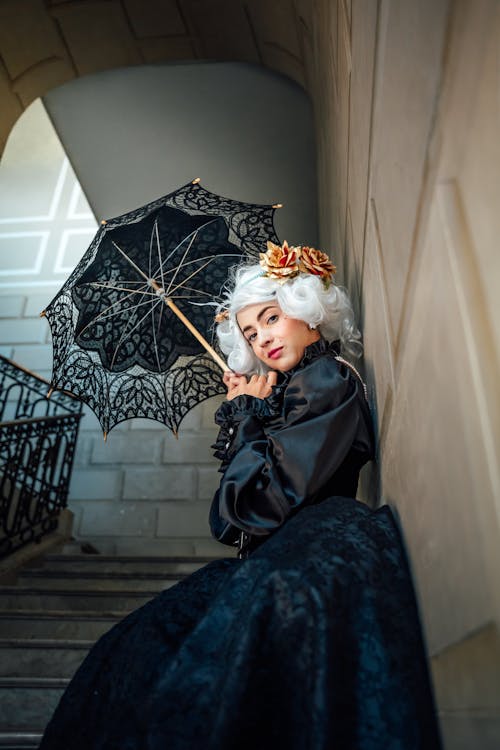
(264, 336)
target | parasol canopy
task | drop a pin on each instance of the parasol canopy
(121, 341)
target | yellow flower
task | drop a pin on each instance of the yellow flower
(315, 262)
(280, 262)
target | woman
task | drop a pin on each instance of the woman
(310, 639)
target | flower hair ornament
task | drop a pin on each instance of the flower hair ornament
(284, 262)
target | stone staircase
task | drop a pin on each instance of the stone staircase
(52, 614)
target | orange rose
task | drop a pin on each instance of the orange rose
(315, 262)
(280, 263)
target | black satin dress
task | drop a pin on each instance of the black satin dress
(310, 640)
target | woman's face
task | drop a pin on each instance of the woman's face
(276, 340)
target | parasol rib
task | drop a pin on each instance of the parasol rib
(153, 328)
(191, 235)
(159, 253)
(154, 284)
(129, 331)
(191, 328)
(103, 314)
(182, 260)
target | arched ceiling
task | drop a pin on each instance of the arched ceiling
(45, 43)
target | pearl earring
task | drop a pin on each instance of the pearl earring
(311, 327)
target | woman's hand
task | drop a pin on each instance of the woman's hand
(259, 386)
(234, 383)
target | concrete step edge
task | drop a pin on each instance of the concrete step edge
(45, 643)
(56, 614)
(99, 576)
(156, 559)
(18, 739)
(40, 683)
(22, 590)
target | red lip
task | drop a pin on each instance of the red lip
(274, 353)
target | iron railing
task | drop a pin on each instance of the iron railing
(37, 445)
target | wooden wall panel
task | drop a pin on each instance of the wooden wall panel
(435, 474)
(379, 347)
(480, 173)
(420, 171)
(342, 118)
(364, 31)
(409, 71)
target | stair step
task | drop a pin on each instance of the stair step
(33, 657)
(26, 705)
(56, 624)
(97, 580)
(51, 618)
(129, 563)
(120, 600)
(19, 740)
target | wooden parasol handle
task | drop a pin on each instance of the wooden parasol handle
(197, 334)
(191, 327)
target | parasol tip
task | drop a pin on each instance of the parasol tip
(50, 392)
(278, 205)
(43, 313)
(196, 181)
(105, 435)
(103, 222)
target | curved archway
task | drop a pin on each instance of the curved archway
(43, 45)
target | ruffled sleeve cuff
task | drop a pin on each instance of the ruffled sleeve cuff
(235, 410)
(229, 417)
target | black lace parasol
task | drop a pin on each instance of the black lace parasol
(118, 338)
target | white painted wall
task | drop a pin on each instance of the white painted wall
(45, 226)
(134, 134)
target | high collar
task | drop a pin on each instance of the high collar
(311, 352)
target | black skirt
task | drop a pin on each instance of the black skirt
(311, 643)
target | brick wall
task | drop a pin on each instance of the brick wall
(145, 490)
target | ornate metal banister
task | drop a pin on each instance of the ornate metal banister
(37, 446)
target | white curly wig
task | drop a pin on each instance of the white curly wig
(303, 297)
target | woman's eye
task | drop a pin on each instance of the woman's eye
(251, 337)
(272, 319)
